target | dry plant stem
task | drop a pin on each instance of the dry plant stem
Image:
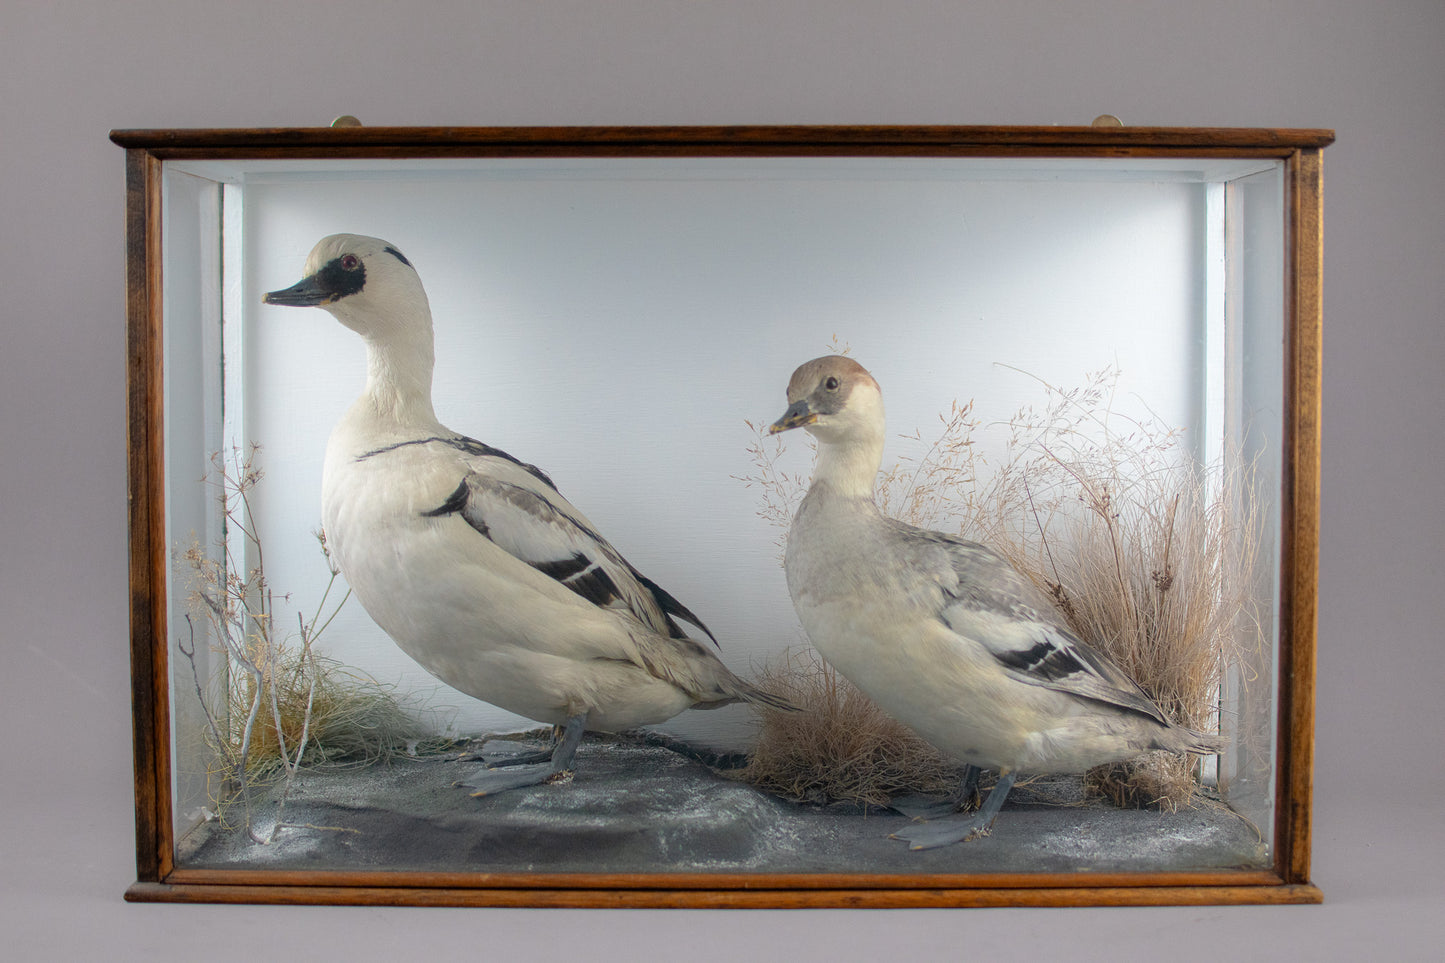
(188, 650)
(288, 764)
(240, 614)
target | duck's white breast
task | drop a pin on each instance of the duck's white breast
(468, 612)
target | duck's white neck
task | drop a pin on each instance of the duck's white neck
(849, 466)
(399, 376)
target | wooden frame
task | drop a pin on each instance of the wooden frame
(1285, 881)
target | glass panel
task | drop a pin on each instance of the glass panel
(619, 323)
(191, 237)
(1254, 421)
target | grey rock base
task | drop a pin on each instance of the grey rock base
(637, 808)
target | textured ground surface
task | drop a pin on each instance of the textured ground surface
(644, 808)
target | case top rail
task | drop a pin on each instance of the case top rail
(700, 140)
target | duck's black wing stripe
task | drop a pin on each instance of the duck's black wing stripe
(455, 502)
(471, 447)
(671, 606)
(523, 524)
(565, 568)
(1045, 660)
(583, 576)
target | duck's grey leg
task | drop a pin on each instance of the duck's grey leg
(962, 826)
(566, 747)
(930, 807)
(968, 797)
(488, 781)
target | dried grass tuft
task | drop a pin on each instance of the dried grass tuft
(1155, 780)
(1148, 555)
(353, 720)
(841, 747)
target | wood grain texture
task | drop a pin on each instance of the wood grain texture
(396, 880)
(769, 898)
(718, 141)
(146, 511)
(160, 880)
(1300, 517)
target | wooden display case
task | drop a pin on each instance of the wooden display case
(600, 277)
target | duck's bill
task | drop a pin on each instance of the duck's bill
(797, 416)
(305, 293)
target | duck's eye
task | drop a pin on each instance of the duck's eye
(350, 262)
(831, 384)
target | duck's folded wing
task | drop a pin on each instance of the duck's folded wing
(535, 525)
(987, 601)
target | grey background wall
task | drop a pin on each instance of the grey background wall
(70, 71)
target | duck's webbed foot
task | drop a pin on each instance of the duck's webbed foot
(958, 827)
(514, 771)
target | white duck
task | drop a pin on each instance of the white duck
(943, 633)
(470, 559)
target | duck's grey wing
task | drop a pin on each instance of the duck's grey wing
(987, 600)
(518, 509)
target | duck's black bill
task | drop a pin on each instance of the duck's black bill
(305, 293)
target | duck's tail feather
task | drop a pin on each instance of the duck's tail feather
(1181, 739)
